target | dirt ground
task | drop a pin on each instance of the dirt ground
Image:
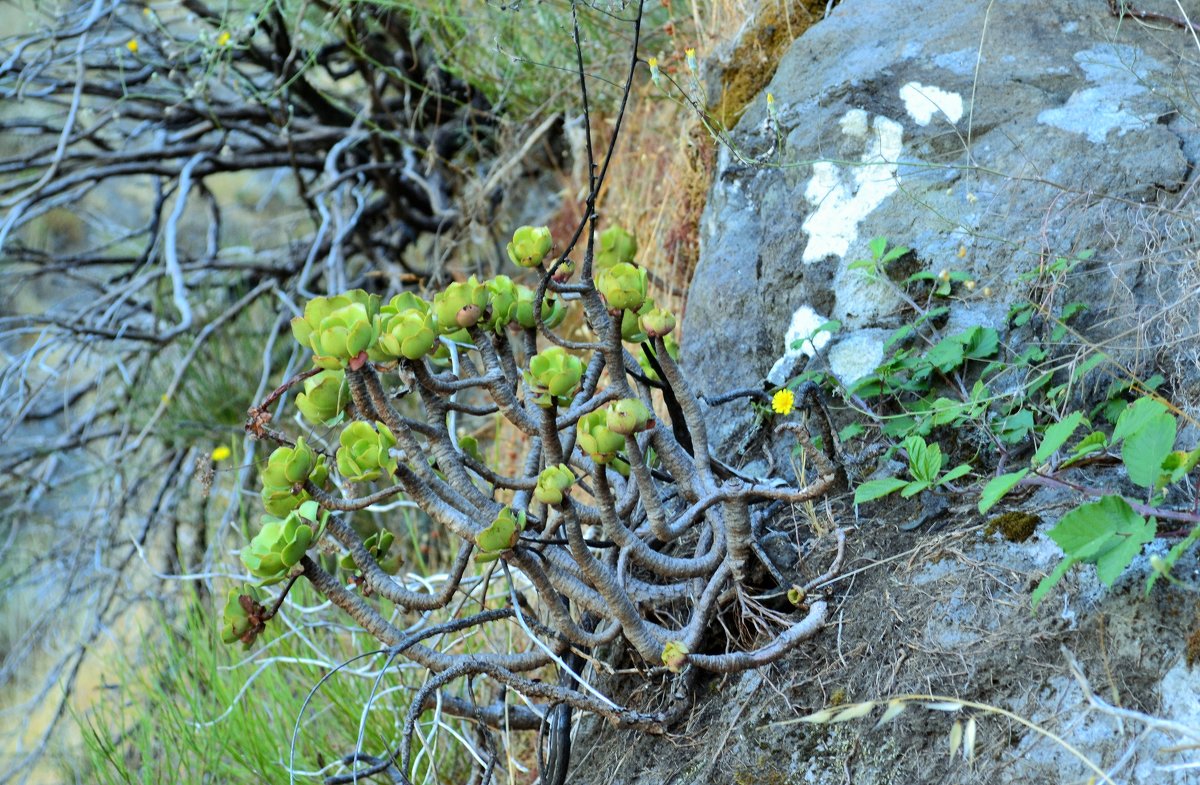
(941, 610)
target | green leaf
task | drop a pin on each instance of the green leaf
(946, 354)
(1090, 532)
(998, 487)
(924, 460)
(1144, 451)
(955, 473)
(1172, 557)
(851, 431)
(913, 488)
(981, 342)
(874, 489)
(1136, 416)
(1046, 584)
(1056, 436)
(1015, 427)
(877, 245)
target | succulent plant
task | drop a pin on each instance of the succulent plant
(441, 352)
(461, 304)
(564, 271)
(243, 617)
(501, 535)
(286, 470)
(553, 484)
(325, 398)
(280, 543)
(406, 327)
(628, 416)
(595, 439)
(530, 245)
(616, 246)
(674, 656)
(377, 545)
(555, 376)
(656, 322)
(338, 329)
(553, 311)
(503, 295)
(623, 286)
(631, 327)
(365, 451)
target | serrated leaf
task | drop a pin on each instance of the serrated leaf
(877, 245)
(1056, 436)
(851, 431)
(874, 489)
(998, 487)
(1090, 530)
(1136, 416)
(854, 712)
(1093, 442)
(982, 342)
(946, 354)
(1127, 545)
(913, 488)
(1144, 450)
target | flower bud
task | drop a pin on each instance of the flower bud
(530, 245)
(657, 322)
(242, 618)
(628, 416)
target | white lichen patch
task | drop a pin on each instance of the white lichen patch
(922, 102)
(1118, 72)
(844, 196)
(802, 338)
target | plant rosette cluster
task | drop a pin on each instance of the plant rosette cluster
(281, 543)
(365, 452)
(287, 470)
(325, 398)
(243, 618)
(339, 329)
(554, 485)
(554, 376)
(500, 536)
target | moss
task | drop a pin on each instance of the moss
(1013, 526)
(756, 57)
(838, 696)
(1192, 652)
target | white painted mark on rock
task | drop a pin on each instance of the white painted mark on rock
(802, 338)
(922, 102)
(844, 196)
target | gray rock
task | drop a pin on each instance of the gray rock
(1064, 131)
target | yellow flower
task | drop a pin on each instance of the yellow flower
(654, 75)
(221, 453)
(691, 59)
(223, 38)
(783, 401)
(770, 100)
(132, 46)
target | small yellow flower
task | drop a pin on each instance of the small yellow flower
(221, 453)
(783, 401)
(962, 251)
(970, 285)
(223, 38)
(691, 59)
(132, 46)
(654, 75)
(770, 100)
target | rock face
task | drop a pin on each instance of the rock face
(988, 139)
(991, 139)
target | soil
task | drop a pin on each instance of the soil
(940, 611)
